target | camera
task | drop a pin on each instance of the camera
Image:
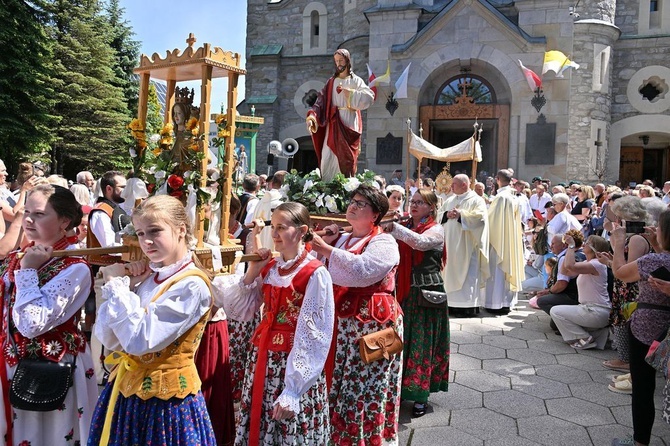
(635, 227)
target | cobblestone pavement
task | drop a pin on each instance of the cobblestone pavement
(513, 382)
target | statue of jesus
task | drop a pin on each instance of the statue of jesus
(335, 119)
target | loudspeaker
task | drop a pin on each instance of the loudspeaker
(275, 148)
(271, 159)
(289, 147)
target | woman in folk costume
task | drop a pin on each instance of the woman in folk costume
(364, 398)
(42, 297)
(284, 397)
(153, 316)
(426, 337)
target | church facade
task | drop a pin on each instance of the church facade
(609, 119)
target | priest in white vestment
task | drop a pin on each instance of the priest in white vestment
(464, 219)
(506, 248)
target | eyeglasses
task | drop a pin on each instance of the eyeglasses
(417, 203)
(360, 204)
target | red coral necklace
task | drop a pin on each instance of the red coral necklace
(290, 269)
(159, 281)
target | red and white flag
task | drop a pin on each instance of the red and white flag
(534, 81)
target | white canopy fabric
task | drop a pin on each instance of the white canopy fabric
(463, 151)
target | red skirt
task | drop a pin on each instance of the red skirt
(213, 366)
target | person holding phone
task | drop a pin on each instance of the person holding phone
(651, 318)
(628, 208)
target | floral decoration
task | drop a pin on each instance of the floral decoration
(324, 197)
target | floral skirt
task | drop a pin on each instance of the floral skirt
(426, 350)
(364, 398)
(239, 336)
(183, 422)
(310, 426)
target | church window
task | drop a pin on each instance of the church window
(653, 89)
(314, 29)
(469, 86)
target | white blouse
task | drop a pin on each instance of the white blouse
(314, 329)
(38, 310)
(431, 239)
(352, 270)
(129, 321)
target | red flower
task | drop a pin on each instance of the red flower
(177, 193)
(375, 440)
(379, 419)
(359, 406)
(368, 426)
(151, 187)
(353, 429)
(175, 181)
(390, 407)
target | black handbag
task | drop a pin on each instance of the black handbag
(433, 299)
(40, 385)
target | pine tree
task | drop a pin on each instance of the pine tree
(126, 54)
(154, 118)
(26, 124)
(92, 134)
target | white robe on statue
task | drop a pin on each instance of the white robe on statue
(506, 259)
(467, 246)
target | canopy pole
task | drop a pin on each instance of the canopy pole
(407, 197)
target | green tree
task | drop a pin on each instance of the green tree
(26, 121)
(126, 54)
(92, 133)
(154, 118)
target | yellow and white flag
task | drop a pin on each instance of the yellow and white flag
(557, 62)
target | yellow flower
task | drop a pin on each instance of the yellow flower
(135, 125)
(192, 124)
(167, 141)
(195, 131)
(167, 129)
(219, 119)
(142, 143)
(194, 147)
(157, 151)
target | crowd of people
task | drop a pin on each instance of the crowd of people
(319, 343)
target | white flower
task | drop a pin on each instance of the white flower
(351, 184)
(284, 190)
(308, 185)
(53, 348)
(155, 138)
(152, 170)
(319, 201)
(215, 175)
(160, 175)
(187, 174)
(133, 153)
(331, 205)
(316, 172)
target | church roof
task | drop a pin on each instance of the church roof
(398, 48)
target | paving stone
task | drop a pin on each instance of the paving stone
(448, 436)
(623, 415)
(463, 337)
(404, 434)
(481, 329)
(606, 433)
(548, 430)
(435, 415)
(581, 362)
(564, 374)
(540, 387)
(509, 441)
(461, 362)
(598, 393)
(481, 351)
(579, 411)
(537, 325)
(482, 380)
(459, 397)
(514, 404)
(532, 357)
(523, 333)
(550, 346)
(508, 367)
(483, 423)
(504, 342)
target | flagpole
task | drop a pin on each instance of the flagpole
(407, 197)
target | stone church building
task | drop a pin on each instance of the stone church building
(610, 118)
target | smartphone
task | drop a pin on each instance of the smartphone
(635, 227)
(661, 273)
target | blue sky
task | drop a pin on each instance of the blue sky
(162, 25)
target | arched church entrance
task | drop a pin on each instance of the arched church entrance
(458, 103)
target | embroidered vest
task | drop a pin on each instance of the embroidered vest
(114, 212)
(52, 345)
(374, 302)
(170, 372)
